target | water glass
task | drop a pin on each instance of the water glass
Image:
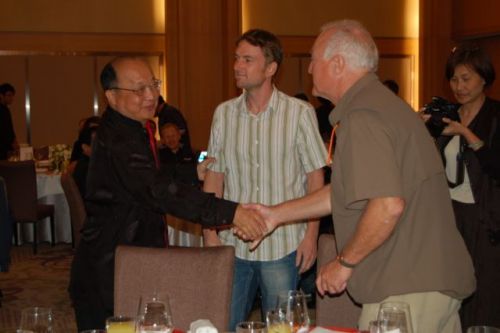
(276, 322)
(36, 319)
(154, 314)
(294, 304)
(483, 329)
(120, 324)
(375, 326)
(251, 327)
(395, 317)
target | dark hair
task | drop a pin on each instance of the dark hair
(7, 87)
(472, 56)
(267, 41)
(85, 136)
(393, 85)
(108, 76)
(301, 96)
(92, 121)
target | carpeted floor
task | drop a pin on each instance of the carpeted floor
(40, 280)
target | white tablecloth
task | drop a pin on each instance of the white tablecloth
(49, 191)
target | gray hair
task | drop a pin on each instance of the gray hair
(351, 40)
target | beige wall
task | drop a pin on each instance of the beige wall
(115, 16)
(300, 21)
(384, 18)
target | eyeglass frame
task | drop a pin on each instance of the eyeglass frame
(155, 86)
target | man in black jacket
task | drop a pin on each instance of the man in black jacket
(127, 196)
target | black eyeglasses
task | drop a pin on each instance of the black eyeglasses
(155, 87)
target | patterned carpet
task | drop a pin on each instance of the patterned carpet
(40, 280)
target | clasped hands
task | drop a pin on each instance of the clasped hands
(253, 222)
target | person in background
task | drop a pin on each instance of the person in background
(392, 85)
(322, 113)
(80, 171)
(394, 224)
(178, 159)
(167, 113)
(128, 196)
(8, 140)
(267, 149)
(77, 152)
(470, 149)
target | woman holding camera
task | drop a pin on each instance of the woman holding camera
(470, 148)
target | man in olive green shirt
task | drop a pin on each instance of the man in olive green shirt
(388, 196)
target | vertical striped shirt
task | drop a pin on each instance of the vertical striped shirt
(265, 159)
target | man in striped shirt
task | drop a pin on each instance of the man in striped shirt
(268, 150)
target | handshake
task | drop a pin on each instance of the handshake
(253, 222)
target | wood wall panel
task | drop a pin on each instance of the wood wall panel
(473, 19)
(199, 43)
(62, 90)
(81, 42)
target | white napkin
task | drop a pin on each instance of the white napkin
(202, 326)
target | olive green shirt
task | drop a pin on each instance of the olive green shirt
(384, 150)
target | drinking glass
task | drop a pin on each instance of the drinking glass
(276, 322)
(395, 317)
(120, 324)
(374, 326)
(294, 304)
(483, 329)
(154, 314)
(251, 327)
(36, 319)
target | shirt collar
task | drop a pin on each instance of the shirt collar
(342, 106)
(272, 105)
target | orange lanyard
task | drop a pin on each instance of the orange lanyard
(329, 159)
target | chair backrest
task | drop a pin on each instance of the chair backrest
(76, 206)
(337, 310)
(198, 281)
(20, 180)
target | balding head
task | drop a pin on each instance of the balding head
(131, 88)
(350, 39)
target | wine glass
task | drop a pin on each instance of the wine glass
(294, 304)
(36, 319)
(251, 327)
(276, 322)
(395, 316)
(154, 314)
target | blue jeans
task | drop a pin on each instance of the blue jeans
(272, 277)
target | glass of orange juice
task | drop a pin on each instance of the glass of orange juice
(120, 324)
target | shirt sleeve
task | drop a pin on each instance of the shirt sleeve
(310, 144)
(368, 160)
(215, 142)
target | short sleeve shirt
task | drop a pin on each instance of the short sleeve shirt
(384, 150)
(265, 159)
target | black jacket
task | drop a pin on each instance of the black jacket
(126, 200)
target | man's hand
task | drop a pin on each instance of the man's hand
(267, 214)
(306, 254)
(249, 223)
(202, 167)
(332, 278)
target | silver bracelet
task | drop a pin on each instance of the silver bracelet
(476, 145)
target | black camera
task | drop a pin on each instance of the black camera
(440, 108)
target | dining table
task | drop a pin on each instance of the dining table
(49, 191)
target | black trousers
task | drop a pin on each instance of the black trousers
(482, 307)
